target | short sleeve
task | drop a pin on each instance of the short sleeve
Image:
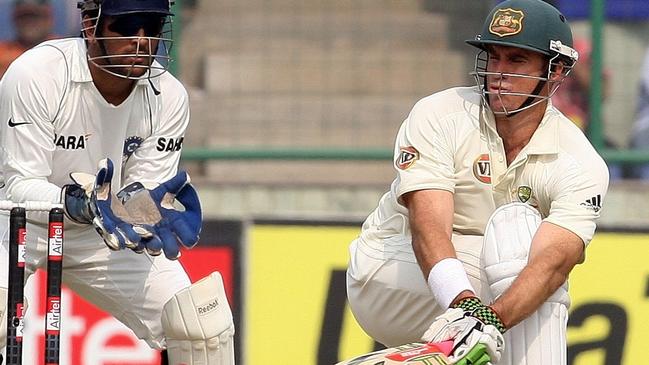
(577, 192)
(423, 153)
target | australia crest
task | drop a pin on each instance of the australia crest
(507, 22)
(524, 193)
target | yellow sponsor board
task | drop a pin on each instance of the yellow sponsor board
(295, 310)
(609, 316)
(289, 275)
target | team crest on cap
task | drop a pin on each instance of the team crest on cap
(482, 168)
(506, 22)
(407, 157)
(524, 193)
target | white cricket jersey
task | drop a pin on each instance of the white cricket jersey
(444, 144)
(54, 121)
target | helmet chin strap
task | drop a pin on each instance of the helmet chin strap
(530, 99)
(155, 91)
(148, 77)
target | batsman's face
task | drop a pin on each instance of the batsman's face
(508, 80)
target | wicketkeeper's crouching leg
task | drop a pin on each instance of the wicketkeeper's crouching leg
(198, 324)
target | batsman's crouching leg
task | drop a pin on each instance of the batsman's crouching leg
(198, 324)
(541, 338)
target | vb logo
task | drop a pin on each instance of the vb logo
(407, 157)
(482, 168)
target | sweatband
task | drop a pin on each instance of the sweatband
(447, 279)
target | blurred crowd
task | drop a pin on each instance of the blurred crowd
(640, 132)
(572, 98)
(25, 23)
(33, 23)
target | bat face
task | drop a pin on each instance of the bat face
(410, 354)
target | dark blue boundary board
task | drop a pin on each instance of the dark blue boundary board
(621, 10)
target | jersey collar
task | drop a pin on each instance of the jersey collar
(545, 139)
(79, 71)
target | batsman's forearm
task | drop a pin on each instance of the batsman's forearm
(554, 252)
(523, 298)
(431, 222)
(431, 249)
(534, 285)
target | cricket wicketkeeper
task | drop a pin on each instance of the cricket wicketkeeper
(97, 124)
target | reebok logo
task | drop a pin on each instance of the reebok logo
(205, 309)
(594, 203)
(11, 123)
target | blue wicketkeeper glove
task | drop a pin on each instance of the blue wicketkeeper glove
(89, 201)
(157, 212)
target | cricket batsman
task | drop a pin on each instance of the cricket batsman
(96, 123)
(494, 202)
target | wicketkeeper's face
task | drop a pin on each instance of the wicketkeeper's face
(131, 40)
(126, 45)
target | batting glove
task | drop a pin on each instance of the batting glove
(89, 200)
(158, 212)
(476, 331)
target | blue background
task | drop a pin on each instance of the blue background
(615, 9)
(626, 10)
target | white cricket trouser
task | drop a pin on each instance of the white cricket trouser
(389, 295)
(391, 299)
(132, 287)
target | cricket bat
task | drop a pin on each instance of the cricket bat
(415, 353)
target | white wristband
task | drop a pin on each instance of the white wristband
(447, 279)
